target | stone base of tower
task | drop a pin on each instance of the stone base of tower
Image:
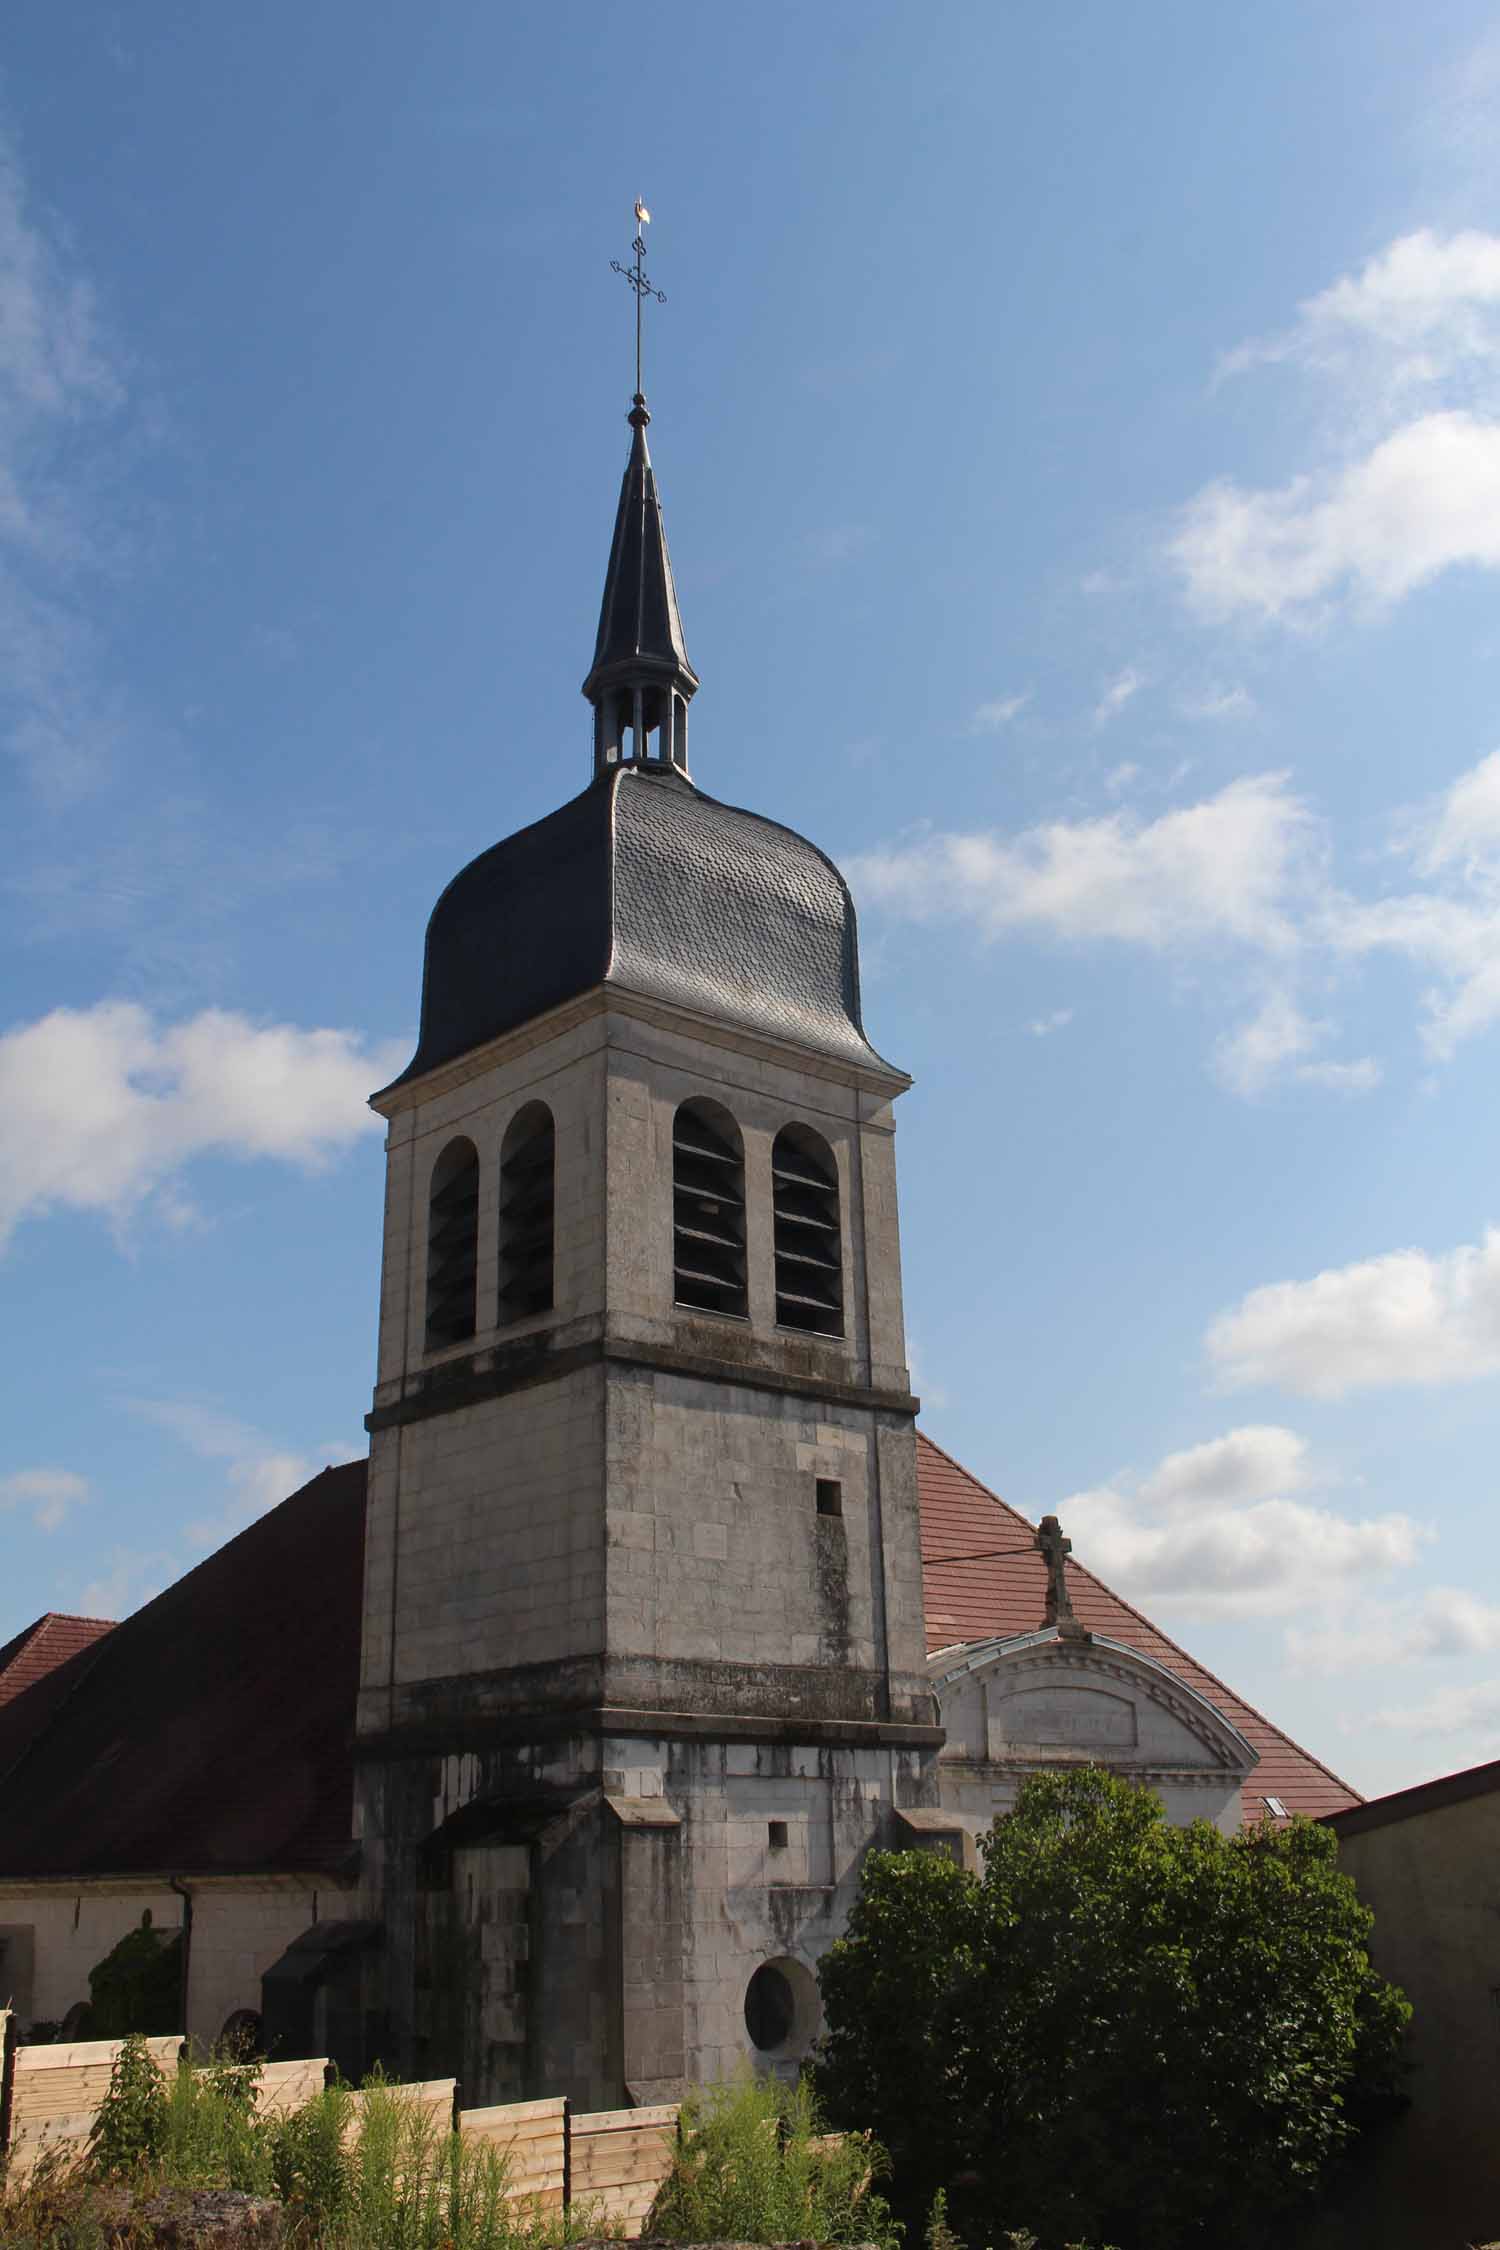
(586, 1916)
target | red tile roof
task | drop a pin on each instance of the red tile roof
(976, 1600)
(43, 1646)
(212, 1732)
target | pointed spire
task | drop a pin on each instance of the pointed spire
(640, 682)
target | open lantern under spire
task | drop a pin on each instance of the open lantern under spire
(640, 682)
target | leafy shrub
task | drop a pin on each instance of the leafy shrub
(1121, 2032)
(754, 2165)
(130, 2127)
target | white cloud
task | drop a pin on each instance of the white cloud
(1445, 1621)
(1463, 832)
(1409, 481)
(1119, 778)
(1452, 1711)
(1248, 1058)
(1273, 1045)
(1406, 1319)
(101, 1107)
(1117, 694)
(48, 1493)
(1223, 869)
(130, 1577)
(1217, 703)
(1361, 1076)
(260, 1473)
(1216, 1529)
(1431, 300)
(1426, 499)
(1041, 1027)
(994, 717)
(58, 378)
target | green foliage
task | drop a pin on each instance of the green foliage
(1121, 2032)
(138, 1985)
(386, 2176)
(940, 2236)
(130, 2127)
(754, 2165)
(309, 2162)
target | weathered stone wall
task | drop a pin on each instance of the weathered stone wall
(608, 1513)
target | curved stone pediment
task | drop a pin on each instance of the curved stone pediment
(1051, 1699)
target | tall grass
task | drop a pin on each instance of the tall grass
(379, 2174)
(754, 2165)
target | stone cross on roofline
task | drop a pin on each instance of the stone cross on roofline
(1054, 1550)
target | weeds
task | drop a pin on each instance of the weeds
(754, 2165)
(379, 2174)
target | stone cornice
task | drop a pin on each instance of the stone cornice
(614, 999)
(462, 1385)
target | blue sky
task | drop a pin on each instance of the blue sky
(1080, 437)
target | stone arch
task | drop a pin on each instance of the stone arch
(708, 1210)
(453, 1245)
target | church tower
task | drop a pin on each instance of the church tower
(643, 1671)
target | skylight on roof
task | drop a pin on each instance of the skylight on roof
(1275, 1805)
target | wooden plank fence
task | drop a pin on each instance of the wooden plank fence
(534, 2135)
(55, 2094)
(620, 2157)
(613, 2159)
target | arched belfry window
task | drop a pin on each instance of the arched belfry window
(453, 1245)
(809, 1253)
(708, 1209)
(528, 1166)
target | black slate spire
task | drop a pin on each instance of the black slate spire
(640, 682)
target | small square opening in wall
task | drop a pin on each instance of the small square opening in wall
(777, 1834)
(830, 1497)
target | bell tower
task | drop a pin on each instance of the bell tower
(643, 1670)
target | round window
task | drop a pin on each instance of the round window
(770, 2007)
(782, 2014)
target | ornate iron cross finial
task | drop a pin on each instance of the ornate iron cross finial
(1055, 1550)
(641, 282)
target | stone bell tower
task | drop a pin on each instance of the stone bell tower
(643, 1672)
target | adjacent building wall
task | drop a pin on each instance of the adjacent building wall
(238, 1929)
(1432, 1881)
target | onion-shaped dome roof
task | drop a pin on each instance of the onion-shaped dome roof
(645, 885)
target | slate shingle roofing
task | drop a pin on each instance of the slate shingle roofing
(643, 884)
(213, 1731)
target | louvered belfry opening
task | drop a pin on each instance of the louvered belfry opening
(809, 1253)
(708, 1210)
(453, 1246)
(528, 1170)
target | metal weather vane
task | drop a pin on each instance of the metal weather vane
(641, 282)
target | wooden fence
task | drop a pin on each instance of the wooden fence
(535, 2136)
(614, 2159)
(620, 2157)
(54, 2093)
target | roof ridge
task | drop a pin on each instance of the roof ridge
(1151, 1626)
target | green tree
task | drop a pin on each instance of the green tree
(1122, 2031)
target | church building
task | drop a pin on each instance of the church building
(546, 1748)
